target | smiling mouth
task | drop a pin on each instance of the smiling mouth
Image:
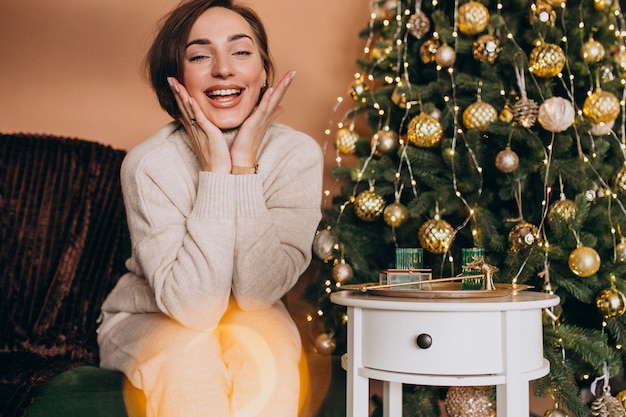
(224, 94)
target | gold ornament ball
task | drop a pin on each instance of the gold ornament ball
(395, 214)
(525, 112)
(523, 235)
(592, 51)
(611, 303)
(418, 24)
(555, 412)
(368, 205)
(436, 235)
(342, 272)
(357, 89)
(469, 402)
(601, 5)
(486, 48)
(345, 141)
(478, 115)
(556, 114)
(473, 18)
(424, 131)
(547, 60)
(619, 179)
(385, 142)
(507, 161)
(620, 251)
(325, 344)
(584, 261)
(543, 13)
(428, 50)
(562, 209)
(445, 56)
(601, 107)
(324, 244)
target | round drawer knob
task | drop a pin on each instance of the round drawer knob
(424, 341)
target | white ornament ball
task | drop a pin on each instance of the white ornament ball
(324, 244)
(507, 161)
(556, 114)
(602, 129)
(325, 344)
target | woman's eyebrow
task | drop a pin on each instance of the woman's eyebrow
(205, 41)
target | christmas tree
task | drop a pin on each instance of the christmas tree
(496, 125)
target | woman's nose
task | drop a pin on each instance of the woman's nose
(222, 66)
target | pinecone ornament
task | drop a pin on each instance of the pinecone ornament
(605, 405)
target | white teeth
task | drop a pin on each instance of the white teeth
(225, 92)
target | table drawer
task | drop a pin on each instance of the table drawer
(459, 343)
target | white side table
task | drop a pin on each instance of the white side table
(444, 342)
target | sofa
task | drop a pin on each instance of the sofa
(64, 241)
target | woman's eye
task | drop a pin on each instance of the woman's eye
(196, 58)
(243, 53)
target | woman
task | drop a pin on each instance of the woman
(222, 208)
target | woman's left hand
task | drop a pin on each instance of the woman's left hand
(246, 145)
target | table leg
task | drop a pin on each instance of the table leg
(357, 387)
(392, 399)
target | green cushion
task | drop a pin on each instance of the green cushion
(85, 391)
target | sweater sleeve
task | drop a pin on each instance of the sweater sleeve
(182, 236)
(276, 224)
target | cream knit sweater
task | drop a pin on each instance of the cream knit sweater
(199, 237)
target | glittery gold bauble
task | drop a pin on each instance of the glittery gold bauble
(345, 140)
(507, 161)
(478, 115)
(473, 18)
(445, 56)
(584, 261)
(563, 209)
(325, 344)
(357, 89)
(619, 179)
(592, 51)
(523, 235)
(424, 131)
(342, 272)
(469, 402)
(395, 214)
(547, 60)
(556, 114)
(385, 142)
(486, 48)
(368, 205)
(543, 13)
(602, 4)
(418, 24)
(525, 112)
(324, 244)
(601, 106)
(436, 235)
(605, 405)
(428, 50)
(611, 303)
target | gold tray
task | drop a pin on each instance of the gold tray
(439, 290)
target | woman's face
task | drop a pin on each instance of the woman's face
(223, 69)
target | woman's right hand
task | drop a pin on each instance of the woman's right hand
(207, 140)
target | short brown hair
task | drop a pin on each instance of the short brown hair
(165, 56)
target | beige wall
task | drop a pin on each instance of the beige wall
(72, 67)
